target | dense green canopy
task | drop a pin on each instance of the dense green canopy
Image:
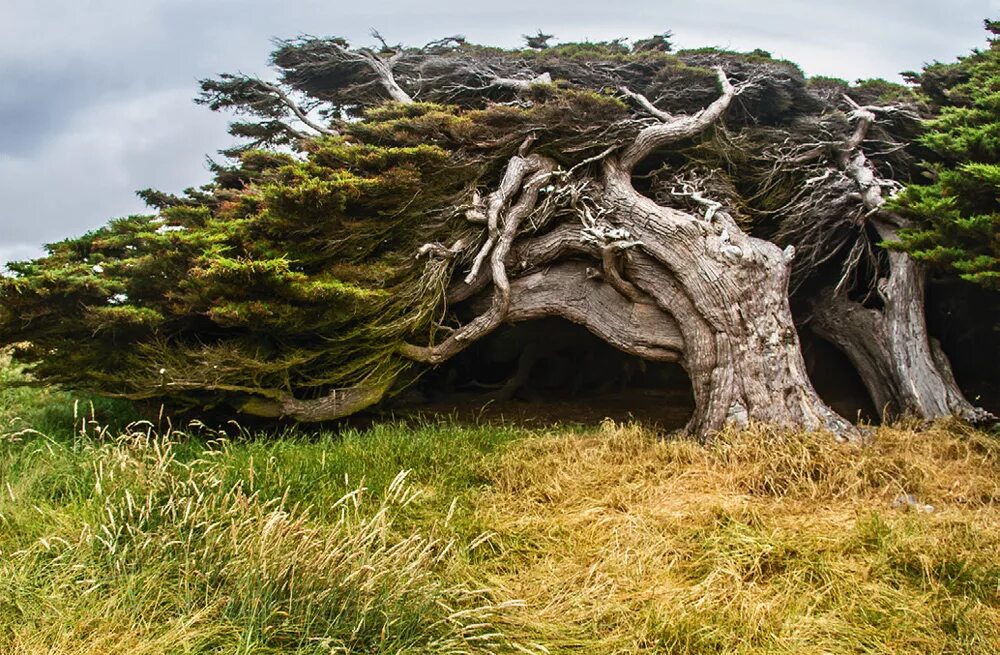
(958, 213)
(287, 273)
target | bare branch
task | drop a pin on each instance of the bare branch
(540, 168)
(441, 251)
(337, 404)
(609, 266)
(679, 128)
(520, 85)
(518, 167)
(644, 102)
(299, 113)
(383, 69)
(689, 191)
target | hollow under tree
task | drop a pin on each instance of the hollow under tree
(420, 197)
(824, 181)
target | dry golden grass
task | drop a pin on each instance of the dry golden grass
(763, 542)
(604, 541)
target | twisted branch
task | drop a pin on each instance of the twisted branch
(497, 247)
(294, 107)
(673, 129)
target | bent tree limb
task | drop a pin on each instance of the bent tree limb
(727, 291)
(337, 404)
(296, 110)
(567, 291)
(525, 175)
(692, 288)
(889, 346)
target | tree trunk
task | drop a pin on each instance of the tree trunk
(728, 293)
(904, 371)
(693, 288)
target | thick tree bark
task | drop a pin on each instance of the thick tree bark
(693, 288)
(568, 291)
(904, 372)
(728, 293)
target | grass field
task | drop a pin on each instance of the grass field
(442, 538)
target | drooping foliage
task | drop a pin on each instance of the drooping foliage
(957, 213)
(299, 270)
(294, 273)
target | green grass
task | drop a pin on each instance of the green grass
(440, 538)
(203, 542)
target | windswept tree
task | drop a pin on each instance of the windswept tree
(392, 205)
(954, 222)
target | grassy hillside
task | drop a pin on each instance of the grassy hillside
(443, 538)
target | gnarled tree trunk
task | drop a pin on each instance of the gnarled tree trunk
(904, 370)
(693, 288)
(728, 293)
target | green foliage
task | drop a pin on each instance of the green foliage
(289, 275)
(295, 275)
(957, 215)
(881, 92)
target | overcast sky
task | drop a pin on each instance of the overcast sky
(95, 95)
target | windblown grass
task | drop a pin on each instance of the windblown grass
(441, 538)
(131, 541)
(764, 542)
(124, 547)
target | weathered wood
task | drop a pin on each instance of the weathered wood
(336, 404)
(889, 346)
(728, 293)
(566, 290)
(903, 370)
(527, 174)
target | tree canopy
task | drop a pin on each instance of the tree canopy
(388, 205)
(957, 215)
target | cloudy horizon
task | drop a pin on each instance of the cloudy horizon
(96, 95)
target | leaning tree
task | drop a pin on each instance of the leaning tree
(389, 206)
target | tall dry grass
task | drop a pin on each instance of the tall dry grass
(762, 542)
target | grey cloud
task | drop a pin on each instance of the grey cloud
(95, 95)
(33, 104)
(89, 172)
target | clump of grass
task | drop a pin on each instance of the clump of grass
(134, 546)
(762, 542)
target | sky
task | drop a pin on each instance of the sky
(96, 95)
